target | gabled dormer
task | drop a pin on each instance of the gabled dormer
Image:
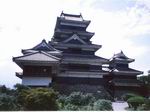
(43, 46)
(74, 39)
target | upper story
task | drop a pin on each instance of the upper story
(70, 35)
(68, 25)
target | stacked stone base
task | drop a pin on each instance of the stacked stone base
(98, 91)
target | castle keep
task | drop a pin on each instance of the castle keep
(69, 58)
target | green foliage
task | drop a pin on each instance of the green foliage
(102, 105)
(145, 106)
(103, 95)
(145, 79)
(83, 102)
(5, 90)
(7, 102)
(25, 98)
(70, 107)
(78, 98)
(41, 99)
(76, 101)
(21, 92)
(125, 97)
(20, 87)
(135, 101)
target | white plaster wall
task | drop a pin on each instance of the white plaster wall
(36, 81)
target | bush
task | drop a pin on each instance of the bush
(21, 92)
(103, 95)
(70, 107)
(41, 99)
(5, 90)
(78, 98)
(20, 87)
(145, 106)
(76, 101)
(135, 101)
(102, 105)
(7, 102)
(125, 97)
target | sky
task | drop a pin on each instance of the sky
(118, 25)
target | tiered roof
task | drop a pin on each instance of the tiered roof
(42, 53)
(121, 58)
(82, 34)
(119, 65)
(71, 21)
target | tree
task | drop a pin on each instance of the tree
(20, 93)
(145, 79)
(126, 96)
(102, 105)
(135, 101)
(7, 102)
(41, 99)
(20, 87)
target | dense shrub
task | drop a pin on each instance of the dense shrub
(7, 102)
(125, 97)
(5, 90)
(102, 105)
(25, 98)
(78, 98)
(20, 87)
(21, 92)
(103, 95)
(145, 106)
(135, 101)
(41, 99)
(70, 107)
(76, 101)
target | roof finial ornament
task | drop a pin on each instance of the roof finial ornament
(43, 40)
(81, 15)
(62, 13)
(121, 51)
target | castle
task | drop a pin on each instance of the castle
(69, 58)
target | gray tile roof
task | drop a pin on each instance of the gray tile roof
(126, 70)
(121, 57)
(37, 56)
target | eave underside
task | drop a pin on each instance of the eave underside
(126, 71)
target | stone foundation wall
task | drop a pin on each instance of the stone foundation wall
(97, 90)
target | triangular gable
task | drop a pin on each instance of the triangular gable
(38, 56)
(75, 38)
(44, 46)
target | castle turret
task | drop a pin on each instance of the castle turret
(122, 77)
